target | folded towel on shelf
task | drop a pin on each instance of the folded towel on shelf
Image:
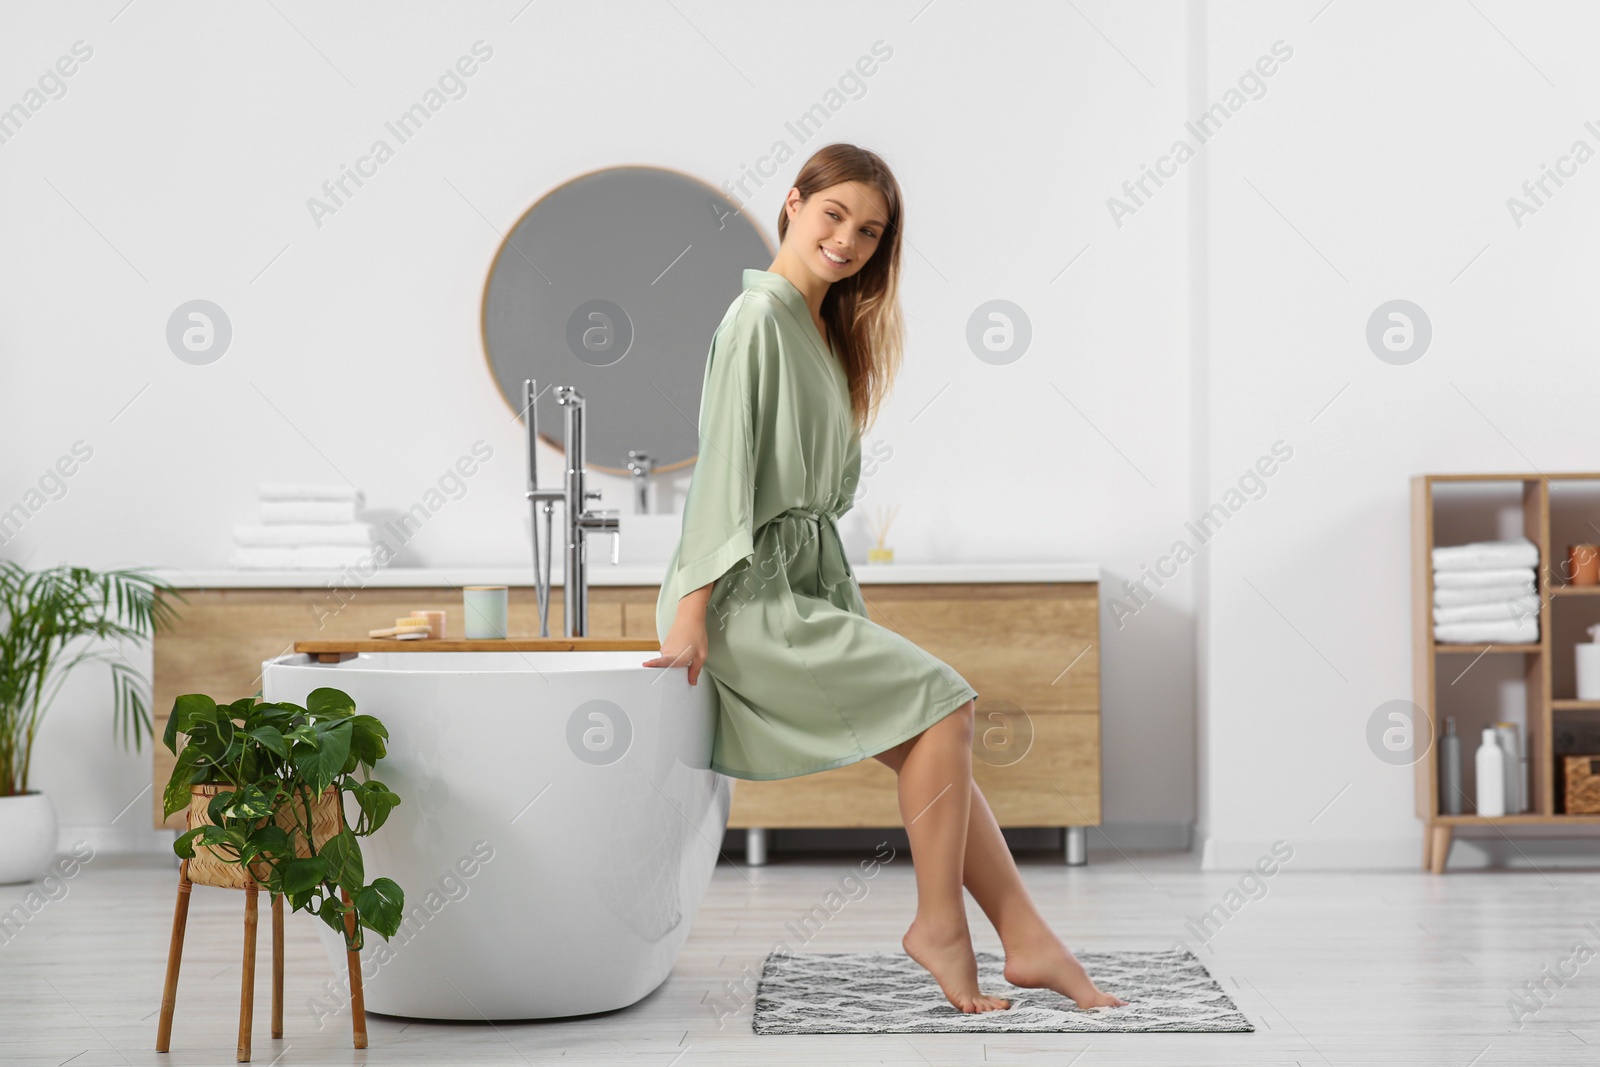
(1487, 555)
(303, 511)
(260, 557)
(331, 556)
(1488, 594)
(294, 534)
(291, 491)
(1496, 611)
(1509, 632)
(304, 557)
(1478, 579)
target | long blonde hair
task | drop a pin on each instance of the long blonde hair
(862, 312)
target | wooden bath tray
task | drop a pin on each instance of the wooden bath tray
(336, 651)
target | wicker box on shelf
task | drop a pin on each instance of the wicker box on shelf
(1582, 776)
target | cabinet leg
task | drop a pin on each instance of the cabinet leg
(247, 981)
(755, 846)
(1077, 846)
(1440, 848)
(1427, 846)
(169, 993)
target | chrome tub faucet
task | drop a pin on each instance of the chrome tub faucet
(580, 521)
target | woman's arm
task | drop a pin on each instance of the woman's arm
(686, 643)
(719, 510)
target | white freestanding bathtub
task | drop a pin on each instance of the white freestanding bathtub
(558, 825)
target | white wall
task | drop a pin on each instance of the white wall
(179, 162)
(1377, 166)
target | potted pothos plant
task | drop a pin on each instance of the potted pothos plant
(51, 622)
(265, 784)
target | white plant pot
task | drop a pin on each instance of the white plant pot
(28, 837)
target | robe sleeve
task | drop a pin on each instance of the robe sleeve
(719, 511)
(850, 481)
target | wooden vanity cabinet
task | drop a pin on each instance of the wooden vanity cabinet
(1031, 650)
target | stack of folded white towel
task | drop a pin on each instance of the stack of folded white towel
(304, 527)
(1485, 593)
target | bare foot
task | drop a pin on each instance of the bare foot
(1041, 961)
(950, 960)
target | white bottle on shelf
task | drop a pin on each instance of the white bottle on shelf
(1491, 768)
(1510, 739)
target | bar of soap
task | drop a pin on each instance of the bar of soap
(405, 629)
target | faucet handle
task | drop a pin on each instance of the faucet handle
(591, 494)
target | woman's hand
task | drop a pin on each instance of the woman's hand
(686, 643)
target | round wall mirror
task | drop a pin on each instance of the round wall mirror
(613, 283)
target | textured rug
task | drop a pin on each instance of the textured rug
(890, 993)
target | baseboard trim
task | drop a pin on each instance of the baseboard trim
(117, 840)
(1111, 838)
(1142, 837)
(1226, 854)
(1468, 852)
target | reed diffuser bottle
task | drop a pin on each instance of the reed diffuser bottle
(879, 525)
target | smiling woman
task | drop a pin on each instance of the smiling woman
(805, 680)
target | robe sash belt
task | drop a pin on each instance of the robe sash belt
(832, 567)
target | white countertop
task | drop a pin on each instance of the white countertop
(603, 573)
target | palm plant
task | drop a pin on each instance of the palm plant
(41, 613)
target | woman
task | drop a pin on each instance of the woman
(758, 593)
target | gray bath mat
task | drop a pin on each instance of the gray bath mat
(890, 993)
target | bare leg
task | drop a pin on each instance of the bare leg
(935, 790)
(1035, 957)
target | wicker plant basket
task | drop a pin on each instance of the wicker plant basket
(208, 868)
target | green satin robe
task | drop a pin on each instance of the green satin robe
(805, 681)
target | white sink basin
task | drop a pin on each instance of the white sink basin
(649, 538)
(646, 539)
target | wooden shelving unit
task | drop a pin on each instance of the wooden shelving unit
(1544, 707)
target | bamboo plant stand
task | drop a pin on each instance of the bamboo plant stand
(1433, 661)
(207, 868)
(247, 983)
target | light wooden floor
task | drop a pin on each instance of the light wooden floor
(1332, 969)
